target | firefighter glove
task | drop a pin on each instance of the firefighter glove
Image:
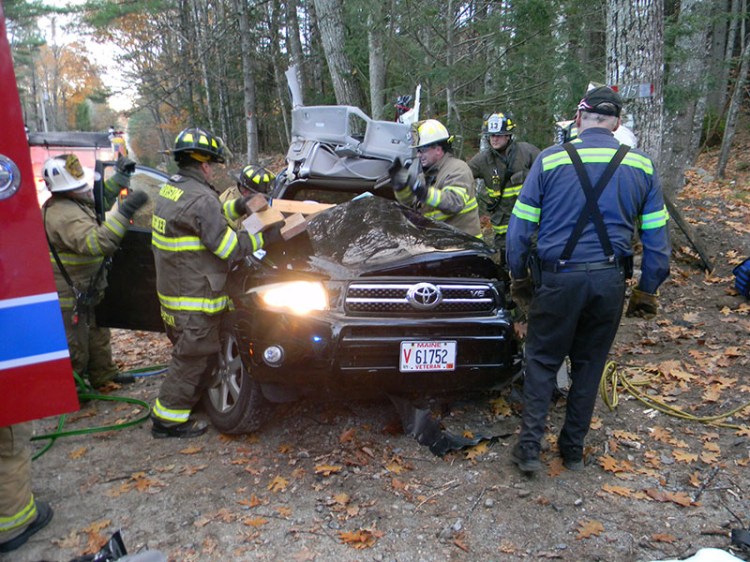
(132, 203)
(240, 205)
(272, 235)
(125, 165)
(399, 175)
(522, 291)
(642, 304)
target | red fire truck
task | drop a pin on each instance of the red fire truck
(36, 377)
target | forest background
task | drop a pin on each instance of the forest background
(681, 64)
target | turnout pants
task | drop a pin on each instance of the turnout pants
(195, 341)
(575, 314)
(17, 507)
(90, 348)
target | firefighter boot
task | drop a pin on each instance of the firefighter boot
(44, 515)
(192, 428)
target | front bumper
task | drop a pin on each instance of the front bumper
(332, 353)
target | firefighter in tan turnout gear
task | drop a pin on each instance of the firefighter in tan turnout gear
(79, 250)
(251, 180)
(194, 246)
(502, 168)
(446, 191)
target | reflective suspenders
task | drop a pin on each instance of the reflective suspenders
(592, 210)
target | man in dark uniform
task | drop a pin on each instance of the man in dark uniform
(579, 270)
(194, 247)
(503, 168)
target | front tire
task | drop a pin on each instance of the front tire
(234, 401)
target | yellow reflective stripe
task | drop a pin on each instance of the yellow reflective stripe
(92, 243)
(512, 191)
(655, 220)
(23, 517)
(229, 211)
(527, 212)
(194, 304)
(176, 244)
(257, 241)
(76, 259)
(113, 223)
(500, 228)
(494, 193)
(66, 303)
(228, 244)
(164, 413)
(460, 191)
(600, 156)
(434, 196)
(469, 206)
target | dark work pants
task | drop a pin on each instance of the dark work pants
(575, 314)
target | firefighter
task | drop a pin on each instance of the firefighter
(21, 514)
(502, 167)
(252, 179)
(445, 191)
(580, 268)
(79, 250)
(194, 247)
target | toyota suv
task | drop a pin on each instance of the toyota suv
(372, 297)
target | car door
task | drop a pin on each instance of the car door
(130, 301)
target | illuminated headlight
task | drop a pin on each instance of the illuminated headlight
(297, 297)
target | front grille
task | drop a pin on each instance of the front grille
(421, 298)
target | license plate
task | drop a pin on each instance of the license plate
(427, 356)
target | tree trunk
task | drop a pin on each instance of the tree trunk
(331, 25)
(294, 45)
(685, 88)
(635, 43)
(375, 33)
(278, 72)
(248, 82)
(734, 110)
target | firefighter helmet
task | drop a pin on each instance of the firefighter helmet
(498, 124)
(64, 173)
(256, 178)
(199, 145)
(430, 132)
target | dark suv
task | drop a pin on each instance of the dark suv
(372, 298)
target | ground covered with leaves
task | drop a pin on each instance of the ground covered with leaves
(668, 457)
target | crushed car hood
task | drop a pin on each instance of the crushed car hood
(372, 235)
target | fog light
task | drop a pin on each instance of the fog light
(273, 355)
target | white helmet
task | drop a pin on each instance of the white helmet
(63, 173)
(430, 132)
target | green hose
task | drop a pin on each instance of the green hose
(86, 392)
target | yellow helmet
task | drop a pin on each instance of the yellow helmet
(430, 132)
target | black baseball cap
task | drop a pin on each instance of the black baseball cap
(602, 100)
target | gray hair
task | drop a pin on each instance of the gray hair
(589, 119)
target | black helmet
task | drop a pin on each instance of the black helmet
(256, 178)
(497, 124)
(199, 145)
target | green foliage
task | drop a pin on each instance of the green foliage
(83, 117)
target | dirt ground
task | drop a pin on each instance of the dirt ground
(340, 481)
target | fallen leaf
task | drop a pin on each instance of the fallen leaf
(278, 484)
(477, 450)
(283, 511)
(77, 453)
(589, 528)
(500, 407)
(191, 450)
(328, 469)
(254, 521)
(362, 538)
(684, 456)
(347, 436)
(663, 537)
(618, 490)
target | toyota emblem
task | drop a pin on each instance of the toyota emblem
(424, 296)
